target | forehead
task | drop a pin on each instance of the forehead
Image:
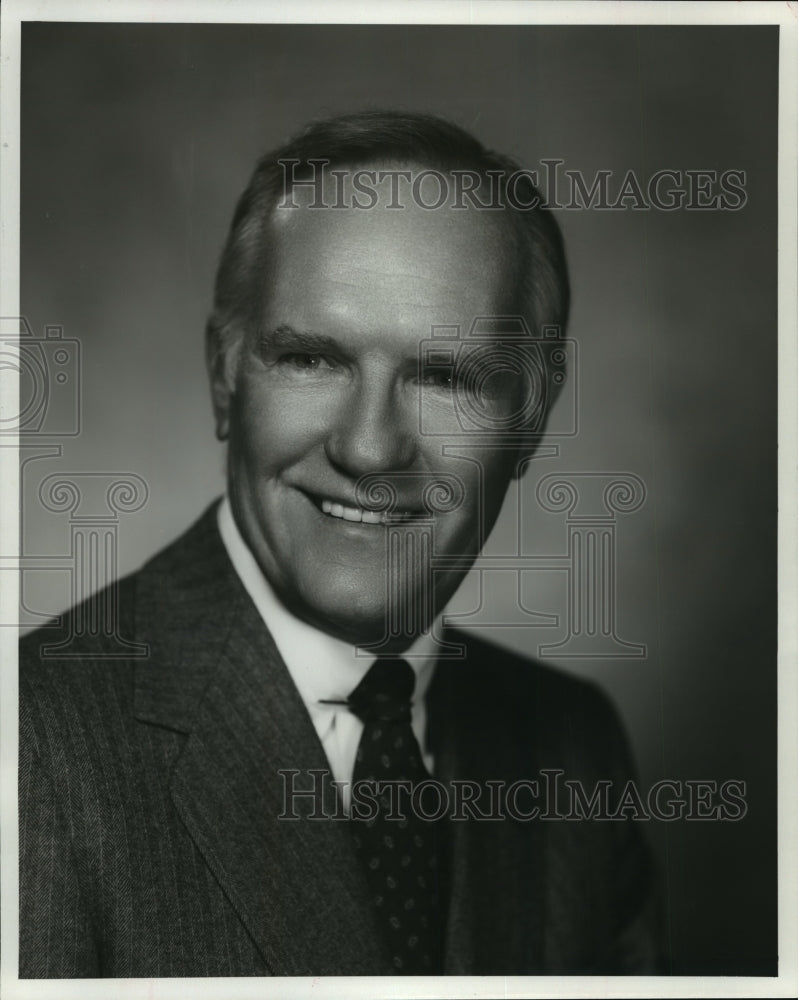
(445, 261)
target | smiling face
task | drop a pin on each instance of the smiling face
(330, 390)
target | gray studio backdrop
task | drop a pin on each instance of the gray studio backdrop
(136, 141)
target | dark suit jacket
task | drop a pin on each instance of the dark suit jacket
(149, 797)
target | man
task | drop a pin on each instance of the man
(245, 799)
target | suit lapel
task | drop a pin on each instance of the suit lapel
(216, 674)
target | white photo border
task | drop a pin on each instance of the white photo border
(451, 12)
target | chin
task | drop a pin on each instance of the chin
(359, 627)
(354, 610)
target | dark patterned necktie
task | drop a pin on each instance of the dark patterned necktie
(400, 852)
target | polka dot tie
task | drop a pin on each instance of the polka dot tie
(399, 849)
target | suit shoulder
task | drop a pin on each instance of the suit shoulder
(82, 633)
(570, 719)
(84, 662)
(72, 676)
(101, 627)
(520, 678)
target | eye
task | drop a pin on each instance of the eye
(307, 362)
(439, 378)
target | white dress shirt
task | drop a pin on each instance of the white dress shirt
(324, 668)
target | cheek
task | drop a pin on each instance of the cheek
(483, 480)
(272, 427)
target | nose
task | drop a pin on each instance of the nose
(373, 432)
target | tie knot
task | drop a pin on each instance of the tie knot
(384, 693)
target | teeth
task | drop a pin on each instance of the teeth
(366, 516)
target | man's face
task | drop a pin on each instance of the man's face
(330, 390)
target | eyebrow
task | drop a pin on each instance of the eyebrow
(307, 341)
(285, 337)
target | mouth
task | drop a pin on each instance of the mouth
(359, 515)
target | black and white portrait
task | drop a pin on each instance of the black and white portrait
(395, 427)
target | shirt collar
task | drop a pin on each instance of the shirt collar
(322, 667)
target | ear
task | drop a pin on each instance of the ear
(218, 360)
